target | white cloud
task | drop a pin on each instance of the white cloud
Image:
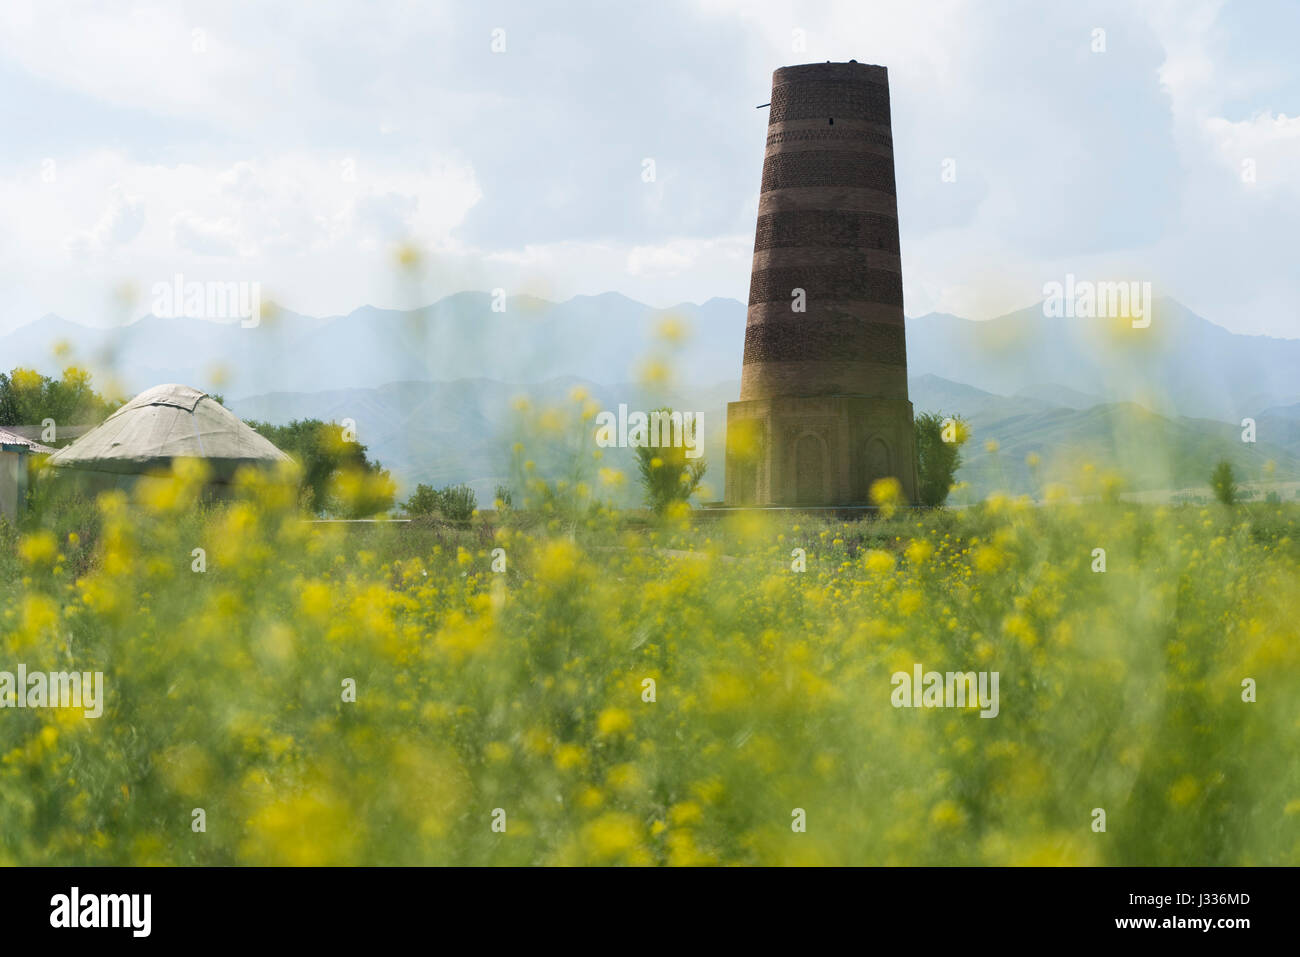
(120, 223)
(679, 256)
(205, 237)
(1271, 144)
(248, 220)
(304, 141)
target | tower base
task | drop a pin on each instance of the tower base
(817, 450)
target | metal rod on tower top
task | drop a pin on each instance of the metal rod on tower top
(761, 105)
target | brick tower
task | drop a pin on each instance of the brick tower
(823, 408)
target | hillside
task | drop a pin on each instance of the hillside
(1183, 365)
(462, 431)
(1146, 451)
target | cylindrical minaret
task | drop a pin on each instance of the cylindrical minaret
(823, 411)
(827, 225)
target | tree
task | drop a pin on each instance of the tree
(455, 503)
(337, 477)
(423, 501)
(29, 398)
(504, 498)
(939, 439)
(1223, 482)
(667, 475)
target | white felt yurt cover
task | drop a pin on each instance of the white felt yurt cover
(165, 423)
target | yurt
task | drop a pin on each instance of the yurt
(15, 451)
(159, 425)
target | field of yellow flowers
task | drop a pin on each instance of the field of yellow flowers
(586, 692)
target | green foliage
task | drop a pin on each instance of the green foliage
(1223, 482)
(503, 499)
(458, 503)
(423, 501)
(455, 503)
(668, 477)
(1151, 452)
(938, 460)
(29, 398)
(774, 691)
(1112, 488)
(67, 512)
(331, 467)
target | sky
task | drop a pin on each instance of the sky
(347, 153)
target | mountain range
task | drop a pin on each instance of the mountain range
(431, 389)
(1181, 365)
(463, 431)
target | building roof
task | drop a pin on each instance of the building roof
(8, 438)
(34, 432)
(165, 423)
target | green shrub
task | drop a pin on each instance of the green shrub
(939, 439)
(455, 503)
(1223, 482)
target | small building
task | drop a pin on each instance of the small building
(15, 460)
(34, 433)
(159, 425)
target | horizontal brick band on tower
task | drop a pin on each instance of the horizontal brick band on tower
(848, 198)
(852, 101)
(817, 256)
(805, 168)
(832, 72)
(782, 379)
(827, 229)
(840, 136)
(825, 282)
(827, 339)
(765, 312)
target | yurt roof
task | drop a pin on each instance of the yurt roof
(165, 423)
(20, 442)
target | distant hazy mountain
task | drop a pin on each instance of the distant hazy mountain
(443, 433)
(1148, 450)
(930, 393)
(1145, 450)
(607, 338)
(1180, 365)
(462, 431)
(1060, 395)
(1290, 413)
(1279, 425)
